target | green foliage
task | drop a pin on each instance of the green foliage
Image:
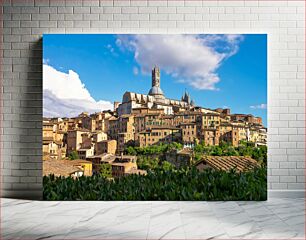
(153, 149)
(147, 163)
(260, 154)
(73, 155)
(131, 151)
(166, 166)
(106, 170)
(183, 184)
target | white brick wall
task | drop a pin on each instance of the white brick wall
(24, 22)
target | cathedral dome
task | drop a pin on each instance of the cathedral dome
(156, 91)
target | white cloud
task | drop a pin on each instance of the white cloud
(260, 106)
(192, 59)
(66, 96)
(135, 70)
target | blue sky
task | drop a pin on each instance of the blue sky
(217, 70)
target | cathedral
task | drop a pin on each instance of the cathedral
(155, 99)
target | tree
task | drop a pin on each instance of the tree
(73, 155)
(106, 170)
(147, 163)
(131, 151)
(216, 151)
(166, 166)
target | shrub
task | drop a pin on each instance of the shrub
(183, 184)
(106, 170)
(73, 155)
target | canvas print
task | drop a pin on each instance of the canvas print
(154, 117)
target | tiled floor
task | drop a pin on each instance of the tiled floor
(273, 219)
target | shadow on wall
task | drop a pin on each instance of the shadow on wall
(29, 125)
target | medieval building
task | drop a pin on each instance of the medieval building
(155, 99)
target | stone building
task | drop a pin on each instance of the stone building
(84, 153)
(180, 158)
(189, 133)
(159, 134)
(75, 139)
(246, 118)
(147, 119)
(210, 136)
(123, 165)
(52, 147)
(112, 128)
(155, 99)
(99, 159)
(106, 146)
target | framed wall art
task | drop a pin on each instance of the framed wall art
(155, 117)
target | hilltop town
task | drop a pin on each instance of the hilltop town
(141, 120)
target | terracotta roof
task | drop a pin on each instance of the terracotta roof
(76, 161)
(112, 118)
(58, 142)
(108, 159)
(185, 151)
(121, 163)
(58, 168)
(226, 163)
(104, 157)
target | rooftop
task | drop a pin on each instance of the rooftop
(61, 167)
(99, 155)
(156, 91)
(226, 163)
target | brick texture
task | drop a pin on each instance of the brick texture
(24, 22)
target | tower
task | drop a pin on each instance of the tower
(155, 89)
(186, 97)
(155, 77)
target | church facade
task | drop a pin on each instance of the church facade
(155, 99)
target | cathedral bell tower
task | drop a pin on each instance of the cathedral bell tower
(155, 77)
(155, 90)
